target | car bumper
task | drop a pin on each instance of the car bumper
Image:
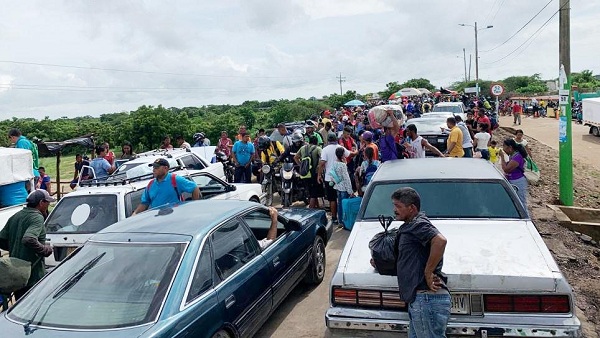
(329, 229)
(345, 322)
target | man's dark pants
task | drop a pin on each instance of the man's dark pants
(243, 174)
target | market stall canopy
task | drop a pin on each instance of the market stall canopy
(354, 103)
(408, 92)
(16, 165)
(53, 147)
(424, 90)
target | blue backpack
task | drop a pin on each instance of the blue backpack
(369, 172)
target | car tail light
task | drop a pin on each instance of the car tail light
(527, 303)
(368, 298)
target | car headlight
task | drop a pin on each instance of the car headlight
(287, 175)
(266, 168)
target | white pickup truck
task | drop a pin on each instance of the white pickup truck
(591, 115)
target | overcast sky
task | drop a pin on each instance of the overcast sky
(73, 58)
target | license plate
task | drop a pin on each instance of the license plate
(460, 304)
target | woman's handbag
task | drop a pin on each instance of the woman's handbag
(531, 172)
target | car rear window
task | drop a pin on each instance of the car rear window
(83, 214)
(447, 199)
(453, 109)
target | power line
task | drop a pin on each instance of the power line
(145, 71)
(498, 10)
(532, 36)
(520, 29)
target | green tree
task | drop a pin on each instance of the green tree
(391, 88)
(418, 83)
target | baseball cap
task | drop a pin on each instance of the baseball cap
(331, 137)
(367, 136)
(39, 195)
(159, 162)
(310, 124)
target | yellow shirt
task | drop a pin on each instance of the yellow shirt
(456, 136)
(271, 153)
(493, 154)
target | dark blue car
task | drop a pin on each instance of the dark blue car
(189, 270)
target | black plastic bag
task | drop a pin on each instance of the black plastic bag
(384, 248)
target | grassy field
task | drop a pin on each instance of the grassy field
(66, 169)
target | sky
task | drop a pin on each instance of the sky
(75, 58)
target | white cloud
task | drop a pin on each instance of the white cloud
(195, 53)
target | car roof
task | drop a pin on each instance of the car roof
(449, 104)
(443, 168)
(193, 218)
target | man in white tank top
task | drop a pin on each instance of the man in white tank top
(419, 144)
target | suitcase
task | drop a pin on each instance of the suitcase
(350, 207)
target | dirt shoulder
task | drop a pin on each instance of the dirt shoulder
(579, 261)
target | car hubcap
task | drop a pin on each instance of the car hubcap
(320, 260)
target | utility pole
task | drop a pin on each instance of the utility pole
(470, 66)
(476, 62)
(565, 136)
(465, 61)
(341, 79)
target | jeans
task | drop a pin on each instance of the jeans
(468, 152)
(243, 174)
(517, 116)
(521, 184)
(341, 196)
(429, 315)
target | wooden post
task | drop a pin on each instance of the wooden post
(58, 175)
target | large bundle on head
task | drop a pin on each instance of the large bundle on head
(378, 116)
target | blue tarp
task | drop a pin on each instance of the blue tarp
(354, 103)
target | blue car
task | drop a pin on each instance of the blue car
(190, 270)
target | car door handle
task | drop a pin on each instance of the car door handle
(229, 301)
(276, 262)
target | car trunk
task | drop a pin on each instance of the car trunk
(481, 256)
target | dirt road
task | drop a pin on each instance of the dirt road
(545, 130)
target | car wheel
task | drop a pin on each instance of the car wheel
(254, 199)
(316, 269)
(596, 131)
(221, 334)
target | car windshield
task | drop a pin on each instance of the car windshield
(83, 214)
(105, 285)
(452, 109)
(428, 125)
(448, 199)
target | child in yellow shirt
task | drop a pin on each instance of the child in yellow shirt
(493, 150)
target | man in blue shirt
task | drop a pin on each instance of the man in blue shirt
(242, 155)
(165, 188)
(22, 142)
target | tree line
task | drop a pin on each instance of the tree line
(146, 126)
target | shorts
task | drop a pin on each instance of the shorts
(330, 192)
(315, 190)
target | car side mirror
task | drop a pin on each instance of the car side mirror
(231, 187)
(292, 225)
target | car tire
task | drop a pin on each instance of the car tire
(595, 131)
(221, 334)
(316, 269)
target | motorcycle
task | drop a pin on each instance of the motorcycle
(267, 182)
(228, 167)
(291, 190)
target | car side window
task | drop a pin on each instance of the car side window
(202, 280)
(132, 200)
(259, 222)
(233, 247)
(191, 162)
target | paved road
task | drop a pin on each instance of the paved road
(302, 314)
(545, 130)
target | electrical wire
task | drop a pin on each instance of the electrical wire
(530, 37)
(520, 29)
(498, 10)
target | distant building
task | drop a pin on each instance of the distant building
(552, 86)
